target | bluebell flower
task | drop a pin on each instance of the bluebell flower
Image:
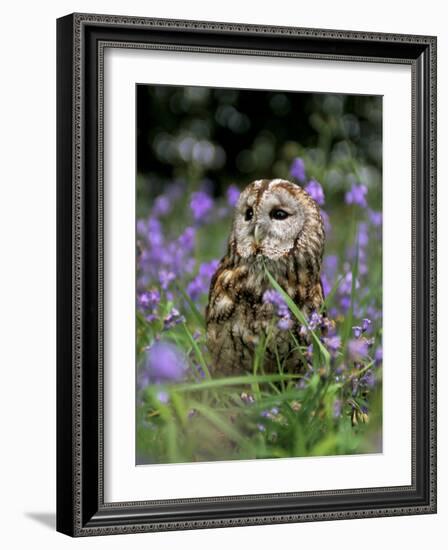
(166, 278)
(285, 323)
(276, 299)
(187, 239)
(162, 206)
(314, 320)
(163, 397)
(201, 204)
(148, 300)
(201, 283)
(376, 218)
(357, 195)
(173, 318)
(164, 362)
(357, 350)
(314, 189)
(233, 194)
(297, 169)
(337, 408)
(378, 355)
(330, 265)
(363, 235)
(326, 221)
(333, 344)
(368, 379)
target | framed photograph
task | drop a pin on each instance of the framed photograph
(246, 274)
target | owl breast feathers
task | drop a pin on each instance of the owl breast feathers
(277, 226)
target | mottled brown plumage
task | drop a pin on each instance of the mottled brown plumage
(276, 225)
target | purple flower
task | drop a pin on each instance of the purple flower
(357, 195)
(149, 300)
(366, 324)
(357, 331)
(285, 323)
(154, 232)
(363, 235)
(173, 318)
(357, 350)
(314, 320)
(276, 299)
(201, 203)
(376, 218)
(201, 283)
(247, 398)
(368, 380)
(297, 169)
(187, 239)
(326, 220)
(326, 286)
(314, 188)
(273, 297)
(164, 362)
(345, 302)
(379, 355)
(233, 194)
(261, 428)
(199, 370)
(373, 312)
(337, 408)
(195, 288)
(163, 397)
(333, 343)
(208, 269)
(345, 286)
(141, 227)
(162, 206)
(330, 265)
(165, 278)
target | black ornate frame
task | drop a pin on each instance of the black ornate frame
(81, 39)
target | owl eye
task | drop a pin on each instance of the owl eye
(278, 214)
(249, 214)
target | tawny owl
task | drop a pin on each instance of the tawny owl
(278, 226)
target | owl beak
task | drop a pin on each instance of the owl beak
(257, 235)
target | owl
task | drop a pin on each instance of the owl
(276, 226)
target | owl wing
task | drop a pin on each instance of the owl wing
(316, 296)
(220, 303)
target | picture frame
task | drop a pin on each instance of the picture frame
(81, 506)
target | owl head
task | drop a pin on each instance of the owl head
(275, 218)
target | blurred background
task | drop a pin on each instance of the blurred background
(235, 136)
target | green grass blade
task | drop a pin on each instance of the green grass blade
(300, 317)
(198, 352)
(194, 310)
(349, 319)
(236, 381)
(220, 423)
(258, 362)
(332, 292)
